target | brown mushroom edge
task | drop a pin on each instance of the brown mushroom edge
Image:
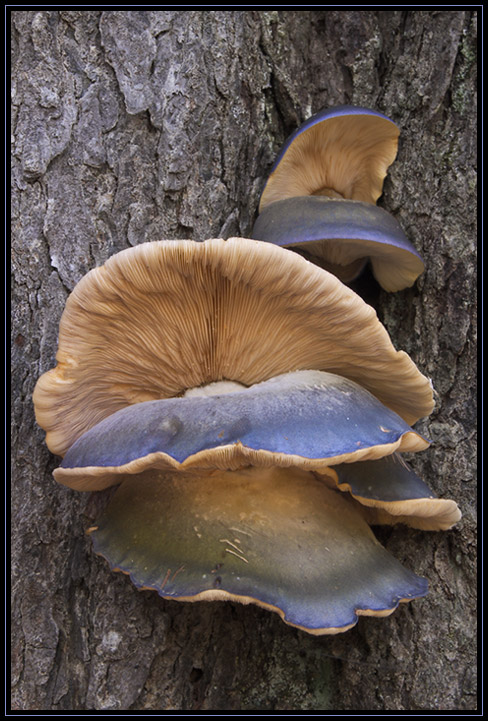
(340, 236)
(391, 492)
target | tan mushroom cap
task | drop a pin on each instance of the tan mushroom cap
(166, 316)
(345, 156)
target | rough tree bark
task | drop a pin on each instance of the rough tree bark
(136, 126)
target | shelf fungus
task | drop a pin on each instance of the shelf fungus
(227, 387)
(275, 537)
(319, 199)
(392, 493)
(164, 317)
(341, 236)
(306, 419)
(341, 152)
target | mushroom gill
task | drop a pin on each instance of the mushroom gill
(166, 316)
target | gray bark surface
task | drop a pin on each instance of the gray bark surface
(136, 126)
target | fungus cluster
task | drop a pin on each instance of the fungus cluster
(251, 410)
(320, 198)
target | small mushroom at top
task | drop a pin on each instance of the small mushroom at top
(163, 317)
(340, 236)
(341, 152)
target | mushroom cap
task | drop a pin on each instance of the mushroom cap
(279, 538)
(339, 235)
(166, 316)
(344, 151)
(308, 419)
(395, 494)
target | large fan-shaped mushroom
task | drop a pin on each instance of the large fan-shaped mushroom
(164, 317)
(196, 358)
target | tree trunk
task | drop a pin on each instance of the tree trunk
(136, 126)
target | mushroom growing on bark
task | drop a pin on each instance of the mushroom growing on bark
(341, 236)
(218, 497)
(275, 537)
(306, 419)
(164, 317)
(340, 155)
(341, 152)
(393, 493)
